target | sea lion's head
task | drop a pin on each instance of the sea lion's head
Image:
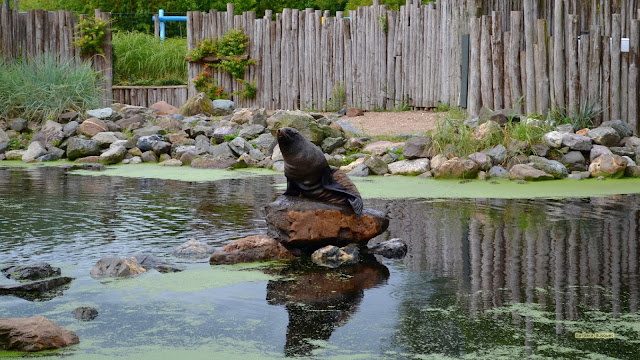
(287, 136)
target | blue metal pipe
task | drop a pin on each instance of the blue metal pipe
(163, 19)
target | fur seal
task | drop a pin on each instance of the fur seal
(309, 175)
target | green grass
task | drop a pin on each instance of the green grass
(141, 59)
(41, 88)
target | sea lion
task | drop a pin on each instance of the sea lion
(309, 175)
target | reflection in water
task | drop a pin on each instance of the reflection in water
(318, 299)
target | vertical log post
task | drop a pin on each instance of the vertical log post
(558, 54)
(474, 68)
(530, 94)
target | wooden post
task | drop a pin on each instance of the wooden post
(572, 58)
(498, 58)
(558, 54)
(486, 69)
(634, 64)
(542, 68)
(514, 60)
(474, 67)
(616, 31)
(156, 26)
(595, 58)
(530, 69)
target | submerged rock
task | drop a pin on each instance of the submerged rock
(333, 256)
(392, 249)
(34, 334)
(116, 267)
(251, 249)
(35, 271)
(303, 225)
(85, 313)
(193, 249)
(37, 290)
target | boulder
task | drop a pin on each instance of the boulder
(417, 147)
(171, 162)
(437, 161)
(149, 157)
(380, 148)
(251, 131)
(331, 143)
(14, 154)
(552, 167)
(392, 249)
(576, 142)
(222, 132)
(348, 128)
(597, 151)
(88, 160)
(113, 155)
(52, 132)
(528, 173)
(333, 257)
(105, 139)
(253, 158)
(361, 170)
(35, 290)
(376, 165)
(34, 334)
(149, 131)
(102, 114)
(222, 107)
(251, 249)
(242, 116)
(300, 121)
(632, 142)
(169, 123)
(624, 129)
(632, 171)
(193, 249)
(498, 172)
(457, 168)
(259, 118)
(132, 122)
(579, 175)
(609, 166)
(575, 161)
(34, 271)
(480, 158)
(91, 127)
(70, 129)
(486, 130)
(197, 104)
(265, 143)
(85, 313)
(161, 147)
(623, 151)
(145, 143)
(304, 225)
(240, 146)
(565, 129)
(187, 157)
(116, 267)
(34, 151)
(18, 124)
(540, 150)
(604, 135)
(354, 111)
(164, 108)
(409, 167)
(498, 154)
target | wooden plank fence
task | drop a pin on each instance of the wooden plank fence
(148, 95)
(375, 59)
(564, 71)
(37, 32)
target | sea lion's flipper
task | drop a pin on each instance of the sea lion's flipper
(336, 180)
(292, 188)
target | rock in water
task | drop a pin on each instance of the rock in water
(333, 256)
(35, 271)
(309, 175)
(34, 334)
(251, 249)
(392, 249)
(193, 249)
(85, 313)
(37, 290)
(116, 267)
(304, 225)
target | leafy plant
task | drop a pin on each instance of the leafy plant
(143, 60)
(42, 87)
(229, 138)
(205, 83)
(402, 106)
(90, 38)
(584, 117)
(249, 91)
(338, 98)
(442, 107)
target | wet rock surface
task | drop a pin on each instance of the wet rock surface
(85, 313)
(34, 334)
(116, 267)
(251, 249)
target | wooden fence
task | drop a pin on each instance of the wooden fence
(533, 73)
(375, 59)
(38, 32)
(148, 95)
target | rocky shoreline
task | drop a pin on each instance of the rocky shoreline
(206, 134)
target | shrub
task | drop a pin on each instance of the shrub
(42, 88)
(141, 59)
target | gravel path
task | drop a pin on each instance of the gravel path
(395, 123)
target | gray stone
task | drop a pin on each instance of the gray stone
(222, 151)
(113, 155)
(193, 249)
(623, 151)
(254, 158)
(603, 135)
(35, 271)
(203, 145)
(222, 107)
(171, 162)
(597, 151)
(576, 142)
(498, 172)
(623, 129)
(632, 142)
(207, 130)
(132, 122)
(528, 173)
(149, 131)
(14, 154)
(220, 133)
(67, 117)
(116, 267)
(124, 143)
(300, 121)
(333, 257)
(161, 147)
(540, 150)
(574, 161)
(472, 122)
(149, 157)
(579, 175)
(331, 143)
(630, 161)
(554, 139)
(134, 160)
(265, 143)
(565, 129)
(187, 157)
(348, 128)
(437, 161)
(608, 166)
(145, 143)
(213, 162)
(251, 131)
(361, 170)
(102, 114)
(240, 146)
(498, 153)
(105, 139)
(4, 139)
(483, 161)
(457, 168)
(632, 171)
(181, 149)
(485, 130)
(417, 147)
(18, 124)
(376, 165)
(552, 167)
(49, 157)
(392, 249)
(52, 132)
(85, 313)
(409, 167)
(70, 129)
(198, 104)
(259, 118)
(34, 151)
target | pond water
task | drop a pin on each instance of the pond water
(484, 278)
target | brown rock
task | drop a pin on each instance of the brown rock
(88, 160)
(611, 166)
(457, 168)
(354, 111)
(169, 123)
(133, 122)
(380, 148)
(485, 130)
(304, 225)
(582, 132)
(528, 173)
(92, 126)
(163, 108)
(336, 126)
(116, 267)
(135, 152)
(251, 249)
(34, 334)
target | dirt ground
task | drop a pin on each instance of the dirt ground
(395, 123)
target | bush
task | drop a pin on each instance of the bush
(42, 88)
(141, 59)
